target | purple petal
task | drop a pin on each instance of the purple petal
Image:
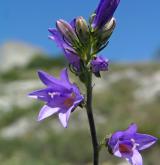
(56, 37)
(73, 23)
(131, 130)
(69, 52)
(73, 58)
(64, 117)
(58, 100)
(118, 154)
(135, 159)
(40, 94)
(46, 112)
(47, 79)
(64, 77)
(115, 150)
(144, 141)
(113, 141)
(104, 12)
(52, 82)
(76, 90)
(99, 64)
(33, 95)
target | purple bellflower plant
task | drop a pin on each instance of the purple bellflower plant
(60, 95)
(127, 144)
(81, 42)
(104, 12)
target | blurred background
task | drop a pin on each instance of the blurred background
(128, 92)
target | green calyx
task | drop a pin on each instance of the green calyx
(83, 34)
(101, 36)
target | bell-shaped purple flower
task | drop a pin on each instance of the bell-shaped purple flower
(127, 144)
(60, 96)
(104, 12)
(99, 64)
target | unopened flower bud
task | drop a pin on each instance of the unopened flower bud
(99, 64)
(108, 29)
(67, 31)
(101, 36)
(82, 30)
(104, 13)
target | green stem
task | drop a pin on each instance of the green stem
(91, 120)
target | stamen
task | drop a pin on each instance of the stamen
(135, 145)
(133, 141)
(52, 94)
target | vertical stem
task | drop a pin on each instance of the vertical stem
(91, 120)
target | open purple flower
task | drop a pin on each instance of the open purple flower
(99, 64)
(60, 95)
(64, 36)
(127, 144)
(104, 12)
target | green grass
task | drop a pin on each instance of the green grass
(47, 143)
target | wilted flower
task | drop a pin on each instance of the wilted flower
(104, 12)
(60, 95)
(127, 144)
(99, 64)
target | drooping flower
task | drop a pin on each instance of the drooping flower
(60, 96)
(99, 64)
(127, 144)
(104, 12)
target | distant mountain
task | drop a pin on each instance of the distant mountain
(16, 54)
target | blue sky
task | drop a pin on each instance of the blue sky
(137, 35)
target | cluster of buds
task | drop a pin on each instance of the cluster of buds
(81, 41)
